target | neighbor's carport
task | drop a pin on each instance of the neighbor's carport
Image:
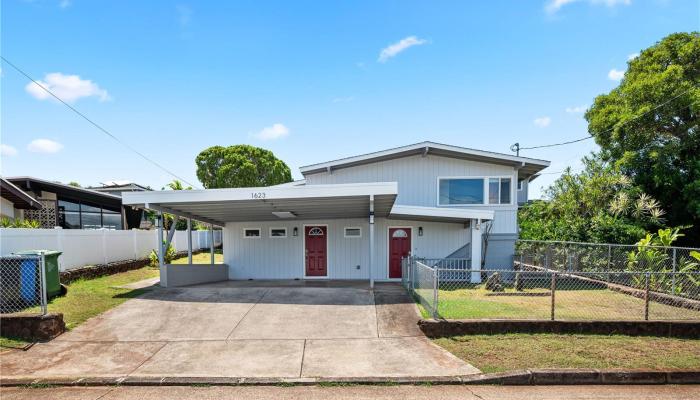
(216, 207)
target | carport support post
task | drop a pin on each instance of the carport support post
(211, 242)
(159, 246)
(189, 240)
(476, 250)
(371, 240)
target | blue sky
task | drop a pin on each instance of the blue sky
(312, 81)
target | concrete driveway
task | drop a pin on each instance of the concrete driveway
(295, 329)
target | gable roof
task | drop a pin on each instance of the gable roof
(19, 199)
(527, 166)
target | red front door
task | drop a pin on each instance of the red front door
(316, 250)
(399, 247)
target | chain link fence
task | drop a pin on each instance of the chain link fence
(593, 257)
(22, 284)
(539, 293)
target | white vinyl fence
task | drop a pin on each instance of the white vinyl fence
(81, 247)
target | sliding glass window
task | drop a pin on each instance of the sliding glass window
(74, 215)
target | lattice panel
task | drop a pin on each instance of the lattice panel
(46, 216)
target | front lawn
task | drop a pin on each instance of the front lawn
(201, 258)
(584, 304)
(87, 298)
(507, 352)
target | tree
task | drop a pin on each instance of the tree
(649, 127)
(168, 218)
(74, 184)
(177, 185)
(599, 204)
(240, 166)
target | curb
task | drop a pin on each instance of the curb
(515, 378)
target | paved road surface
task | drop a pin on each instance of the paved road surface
(436, 392)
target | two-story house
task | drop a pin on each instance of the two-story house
(355, 218)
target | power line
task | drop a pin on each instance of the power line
(516, 147)
(95, 124)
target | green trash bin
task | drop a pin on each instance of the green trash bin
(53, 283)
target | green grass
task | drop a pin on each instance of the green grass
(87, 298)
(12, 342)
(201, 258)
(585, 304)
(506, 352)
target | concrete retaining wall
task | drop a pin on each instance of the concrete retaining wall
(443, 328)
(32, 326)
(192, 274)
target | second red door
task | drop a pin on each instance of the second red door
(399, 247)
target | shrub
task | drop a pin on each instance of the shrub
(167, 257)
(16, 223)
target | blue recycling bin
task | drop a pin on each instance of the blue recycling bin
(28, 280)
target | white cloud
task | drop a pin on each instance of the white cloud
(632, 56)
(616, 74)
(276, 131)
(553, 6)
(396, 48)
(184, 14)
(68, 88)
(7, 151)
(576, 109)
(44, 146)
(542, 122)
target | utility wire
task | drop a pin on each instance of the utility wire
(609, 130)
(95, 124)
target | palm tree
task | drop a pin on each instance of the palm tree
(177, 185)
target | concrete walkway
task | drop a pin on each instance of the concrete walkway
(437, 392)
(295, 329)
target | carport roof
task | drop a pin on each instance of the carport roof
(218, 206)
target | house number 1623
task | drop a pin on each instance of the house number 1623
(258, 195)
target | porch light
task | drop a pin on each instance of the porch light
(295, 231)
(420, 231)
(284, 214)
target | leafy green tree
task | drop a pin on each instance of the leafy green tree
(169, 218)
(599, 204)
(177, 185)
(240, 166)
(74, 184)
(649, 127)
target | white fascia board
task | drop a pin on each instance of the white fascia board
(461, 214)
(421, 146)
(166, 197)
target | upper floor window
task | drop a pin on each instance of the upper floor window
(461, 191)
(474, 191)
(499, 190)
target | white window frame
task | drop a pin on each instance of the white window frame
(251, 229)
(275, 228)
(345, 232)
(510, 190)
(485, 179)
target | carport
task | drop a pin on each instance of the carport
(216, 207)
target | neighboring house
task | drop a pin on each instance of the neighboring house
(355, 218)
(72, 207)
(118, 187)
(14, 202)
